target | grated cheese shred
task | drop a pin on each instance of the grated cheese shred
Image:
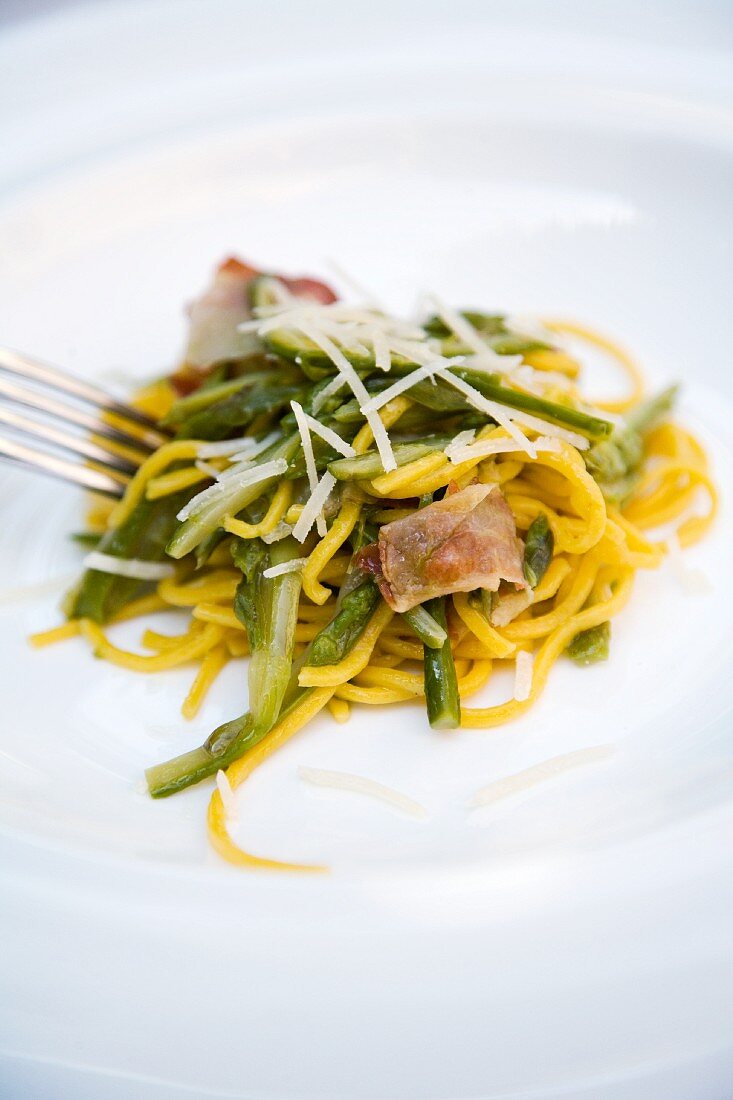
(292, 566)
(128, 567)
(227, 795)
(538, 773)
(359, 784)
(523, 676)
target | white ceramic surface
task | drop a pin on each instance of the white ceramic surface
(573, 941)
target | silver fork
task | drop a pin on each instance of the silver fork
(68, 426)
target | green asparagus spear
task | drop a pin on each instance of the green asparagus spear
(538, 548)
(204, 397)
(590, 645)
(268, 608)
(238, 410)
(615, 463)
(441, 686)
(340, 635)
(143, 535)
(234, 738)
(441, 396)
(427, 629)
(88, 539)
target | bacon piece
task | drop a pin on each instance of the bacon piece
(466, 540)
(213, 333)
(312, 289)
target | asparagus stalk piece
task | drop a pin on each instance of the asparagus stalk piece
(426, 627)
(268, 609)
(538, 547)
(590, 645)
(441, 686)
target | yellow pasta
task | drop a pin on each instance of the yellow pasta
(334, 675)
(212, 664)
(158, 461)
(612, 505)
(611, 348)
(340, 530)
(278, 507)
(241, 769)
(194, 646)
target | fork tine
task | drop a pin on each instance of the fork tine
(111, 484)
(146, 439)
(14, 362)
(76, 444)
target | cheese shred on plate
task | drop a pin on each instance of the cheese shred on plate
(359, 784)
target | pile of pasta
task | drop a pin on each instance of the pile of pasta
(598, 548)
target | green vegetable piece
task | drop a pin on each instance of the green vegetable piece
(144, 535)
(339, 636)
(314, 362)
(615, 463)
(367, 466)
(233, 739)
(442, 397)
(87, 539)
(268, 609)
(427, 629)
(538, 548)
(237, 411)
(204, 397)
(225, 745)
(590, 646)
(488, 324)
(441, 686)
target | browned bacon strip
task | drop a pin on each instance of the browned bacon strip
(214, 317)
(465, 541)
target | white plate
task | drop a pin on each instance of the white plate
(572, 941)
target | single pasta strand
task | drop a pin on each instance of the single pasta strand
(145, 605)
(219, 586)
(217, 613)
(476, 678)
(56, 634)
(241, 769)
(389, 415)
(340, 709)
(279, 505)
(340, 530)
(176, 480)
(211, 666)
(373, 696)
(557, 571)
(549, 360)
(493, 642)
(394, 483)
(161, 643)
(401, 647)
(629, 364)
